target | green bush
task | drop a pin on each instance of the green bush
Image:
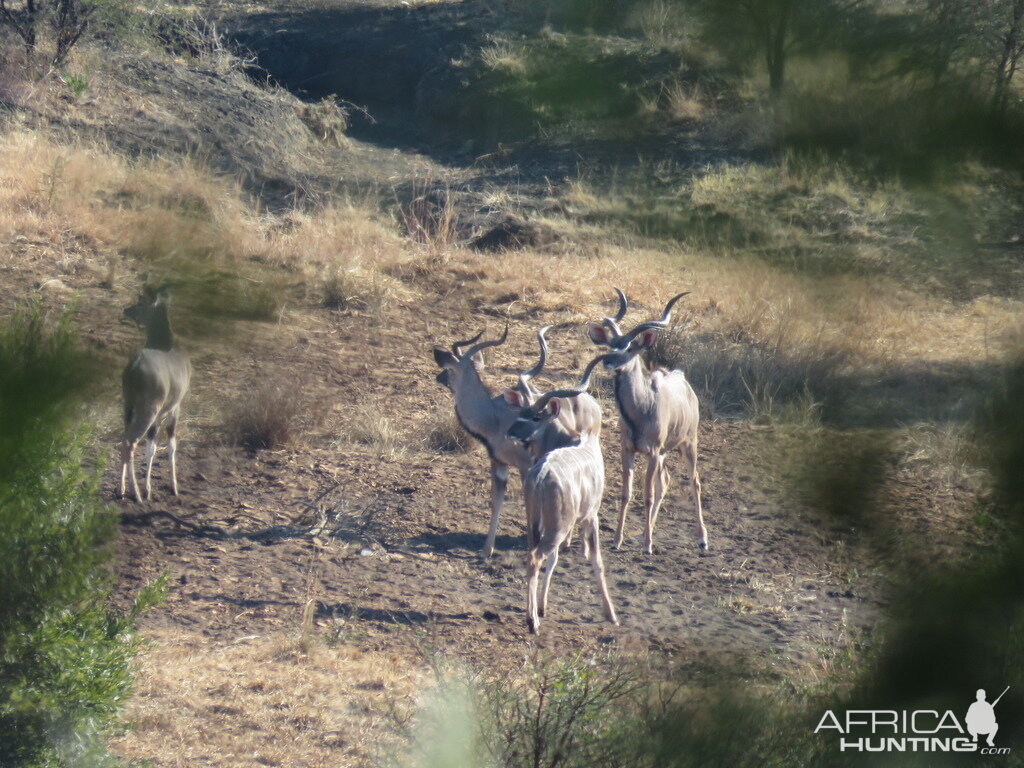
(64, 654)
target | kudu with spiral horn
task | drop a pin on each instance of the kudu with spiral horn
(486, 417)
(658, 413)
(562, 488)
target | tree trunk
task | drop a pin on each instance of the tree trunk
(25, 27)
(72, 21)
(30, 37)
(775, 52)
(1013, 46)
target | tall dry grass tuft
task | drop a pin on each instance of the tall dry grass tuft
(445, 435)
(431, 217)
(267, 416)
(370, 425)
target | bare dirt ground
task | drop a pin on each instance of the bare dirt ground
(399, 550)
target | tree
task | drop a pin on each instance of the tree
(24, 22)
(1009, 47)
(773, 29)
(70, 20)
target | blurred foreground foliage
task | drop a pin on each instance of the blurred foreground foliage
(65, 655)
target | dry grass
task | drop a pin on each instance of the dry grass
(949, 453)
(182, 223)
(446, 435)
(263, 700)
(369, 424)
(430, 217)
(678, 102)
(267, 417)
(505, 56)
(328, 120)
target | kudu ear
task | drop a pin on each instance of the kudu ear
(554, 406)
(598, 333)
(444, 358)
(647, 339)
(514, 398)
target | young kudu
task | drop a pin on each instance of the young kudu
(658, 413)
(154, 384)
(486, 417)
(562, 488)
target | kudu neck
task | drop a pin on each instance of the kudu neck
(634, 378)
(554, 436)
(158, 330)
(634, 395)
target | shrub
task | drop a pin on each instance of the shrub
(267, 416)
(356, 290)
(574, 712)
(446, 435)
(65, 655)
(327, 119)
(369, 424)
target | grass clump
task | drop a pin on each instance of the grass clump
(65, 654)
(446, 435)
(765, 379)
(354, 289)
(327, 119)
(267, 417)
(368, 424)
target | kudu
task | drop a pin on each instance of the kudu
(564, 487)
(658, 413)
(154, 384)
(486, 417)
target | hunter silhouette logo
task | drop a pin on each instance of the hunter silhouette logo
(918, 730)
(981, 717)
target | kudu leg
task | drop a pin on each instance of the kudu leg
(591, 532)
(133, 432)
(533, 562)
(499, 481)
(544, 553)
(549, 570)
(125, 460)
(172, 450)
(150, 455)
(660, 487)
(653, 471)
(628, 456)
(131, 469)
(690, 454)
